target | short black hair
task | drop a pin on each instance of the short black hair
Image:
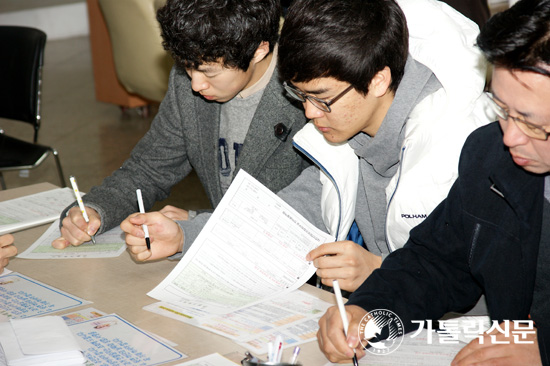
(519, 38)
(349, 40)
(203, 31)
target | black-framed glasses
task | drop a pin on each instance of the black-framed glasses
(319, 103)
(528, 128)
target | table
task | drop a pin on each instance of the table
(119, 285)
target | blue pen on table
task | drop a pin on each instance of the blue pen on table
(342, 310)
(80, 203)
(144, 227)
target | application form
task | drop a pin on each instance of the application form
(252, 248)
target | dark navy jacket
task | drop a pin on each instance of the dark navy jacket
(483, 238)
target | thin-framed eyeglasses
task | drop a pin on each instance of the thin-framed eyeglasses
(319, 103)
(528, 128)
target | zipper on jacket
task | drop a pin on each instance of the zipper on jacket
(393, 194)
(324, 170)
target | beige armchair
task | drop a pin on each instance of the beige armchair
(125, 90)
(142, 65)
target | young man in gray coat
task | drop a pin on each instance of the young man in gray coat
(225, 110)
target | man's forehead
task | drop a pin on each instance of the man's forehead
(519, 82)
(317, 86)
(211, 66)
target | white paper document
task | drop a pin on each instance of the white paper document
(33, 210)
(425, 349)
(111, 340)
(214, 359)
(294, 316)
(23, 297)
(39, 341)
(252, 248)
(109, 244)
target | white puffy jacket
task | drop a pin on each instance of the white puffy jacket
(443, 40)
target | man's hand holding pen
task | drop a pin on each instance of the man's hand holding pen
(331, 337)
(75, 229)
(345, 261)
(165, 235)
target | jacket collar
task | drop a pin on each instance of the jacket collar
(520, 188)
(417, 83)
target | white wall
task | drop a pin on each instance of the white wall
(62, 21)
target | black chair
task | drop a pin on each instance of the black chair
(20, 81)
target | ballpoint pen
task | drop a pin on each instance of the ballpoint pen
(278, 348)
(144, 227)
(294, 358)
(342, 310)
(80, 203)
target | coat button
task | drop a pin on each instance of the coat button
(281, 131)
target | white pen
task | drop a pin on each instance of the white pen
(342, 310)
(294, 358)
(144, 227)
(270, 352)
(80, 203)
(278, 348)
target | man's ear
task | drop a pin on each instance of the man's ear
(261, 52)
(380, 83)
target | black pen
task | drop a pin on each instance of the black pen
(144, 227)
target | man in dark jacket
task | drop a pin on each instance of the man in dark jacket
(492, 234)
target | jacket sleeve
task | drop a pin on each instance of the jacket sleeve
(304, 195)
(156, 163)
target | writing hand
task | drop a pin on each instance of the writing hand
(165, 234)
(331, 337)
(499, 349)
(346, 261)
(75, 229)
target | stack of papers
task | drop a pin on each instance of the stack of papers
(41, 341)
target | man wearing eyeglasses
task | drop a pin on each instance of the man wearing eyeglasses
(405, 114)
(391, 98)
(492, 233)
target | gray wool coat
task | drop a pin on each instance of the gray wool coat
(184, 136)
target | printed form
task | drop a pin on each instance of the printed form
(252, 248)
(33, 210)
(109, 244)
